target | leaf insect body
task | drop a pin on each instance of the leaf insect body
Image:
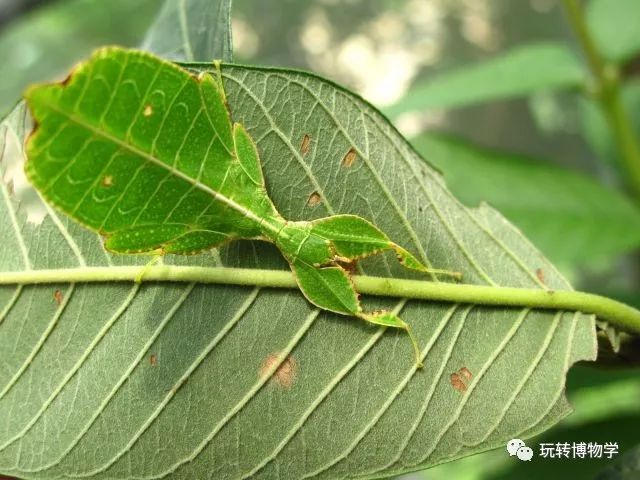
(217, 179)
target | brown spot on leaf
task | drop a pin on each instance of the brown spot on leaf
(350, 158)
(57, 296)
(460, 379)
(540, 275)
(148, 110)
(457, 383)
(314, 199)
(107, 181)
(285, 373)
(305, 145)
(464, 371)
(153, 360)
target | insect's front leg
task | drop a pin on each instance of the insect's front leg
(353, 238)
(157, 258)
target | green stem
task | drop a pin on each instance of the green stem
(607, 86)
(622, 316)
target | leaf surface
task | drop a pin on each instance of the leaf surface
(188, 381)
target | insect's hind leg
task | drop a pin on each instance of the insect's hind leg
(389, 319)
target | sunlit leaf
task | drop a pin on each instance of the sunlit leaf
(519, 72)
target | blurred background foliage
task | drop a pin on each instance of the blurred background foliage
(497, 94)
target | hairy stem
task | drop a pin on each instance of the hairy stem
(622, 316)
(607, 87)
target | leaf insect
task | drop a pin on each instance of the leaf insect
(183, 178)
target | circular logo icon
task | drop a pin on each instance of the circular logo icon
(513, 446)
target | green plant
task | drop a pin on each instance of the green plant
(201, 335)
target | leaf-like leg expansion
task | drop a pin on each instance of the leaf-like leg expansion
(331, 289)
(353, 237)
(390, 319)
(160, 240)
(409, 261)
(327, 287)
(213, 101)
(167, 238)
(196, 241)
(144, 238)
(247, 154)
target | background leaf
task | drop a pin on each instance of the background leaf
(519, 72)
(51, 39)
(614, 27)
(192, 30)
(595, 128)
(180, 378)
(571, 217)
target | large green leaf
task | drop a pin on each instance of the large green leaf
(571, 217)
(187, 381)
(519, 72)
(614, 26)
(192, 30)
